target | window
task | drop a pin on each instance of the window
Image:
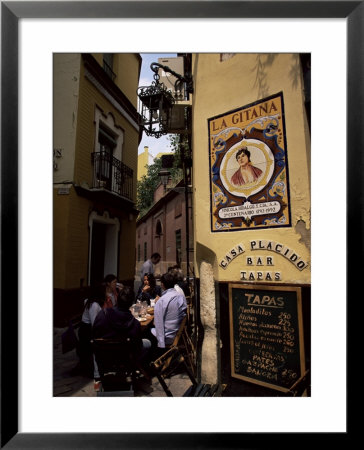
(108, 133)
(158, 229)
(145, 251)
(108, 60)
(109, 172)
(104, 158)
(138, 252)
(178, 247)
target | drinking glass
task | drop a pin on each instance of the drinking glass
(136, 311)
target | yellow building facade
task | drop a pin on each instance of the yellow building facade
(96, 138)
(251, 234)
(144, 159)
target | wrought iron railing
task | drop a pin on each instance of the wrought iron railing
(111, 174)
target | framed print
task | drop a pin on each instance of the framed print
(216, 14)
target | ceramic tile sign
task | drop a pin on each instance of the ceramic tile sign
(266, 335)
(248, 167)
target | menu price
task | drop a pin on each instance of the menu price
(266, 334)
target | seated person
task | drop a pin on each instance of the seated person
(112, 289)
(149, 290)
(169, 312)
(119, 323)
(93, 305)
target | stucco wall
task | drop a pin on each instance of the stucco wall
(66, 78)
(131, 63)
(144, 159)
(125, 63)
(90, 98)
(222, 86)
(75, 102)
(70, 240)
(60, 238)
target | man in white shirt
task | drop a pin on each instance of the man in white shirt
(148, 265)
(169, 312)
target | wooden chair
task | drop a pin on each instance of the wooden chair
(169, 362)
(182, 354)
(179, 332)
(183, 342)
(117, 366)
(187, 348)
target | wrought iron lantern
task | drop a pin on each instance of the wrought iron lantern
(156, 102)
(155, 108)
(162, 112)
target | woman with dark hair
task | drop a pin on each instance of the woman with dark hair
(247, 173)
(149, 290)
(93, 305)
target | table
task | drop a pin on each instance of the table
(145, 324)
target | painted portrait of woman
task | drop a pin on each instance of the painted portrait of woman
(246, 167)
(246, 173)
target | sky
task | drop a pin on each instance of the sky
(146, 77)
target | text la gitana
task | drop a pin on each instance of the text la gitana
(273, 246)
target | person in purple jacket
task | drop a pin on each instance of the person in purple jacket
(119, 323)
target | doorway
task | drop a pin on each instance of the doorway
(104, 245)
(97, 253)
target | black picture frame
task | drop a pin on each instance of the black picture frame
(11, 12)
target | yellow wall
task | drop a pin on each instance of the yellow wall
(220, 87)
(76, 99)
(60, 238)
(130, 63)
(90, 97)
(160, 154)
(144, 159)
(66, 78)
(70, 259)
(70, 240)
(125, 63)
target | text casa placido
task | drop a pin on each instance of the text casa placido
(272, 246)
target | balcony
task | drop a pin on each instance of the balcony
(112, 175)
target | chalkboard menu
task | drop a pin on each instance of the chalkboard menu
(266, 335)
